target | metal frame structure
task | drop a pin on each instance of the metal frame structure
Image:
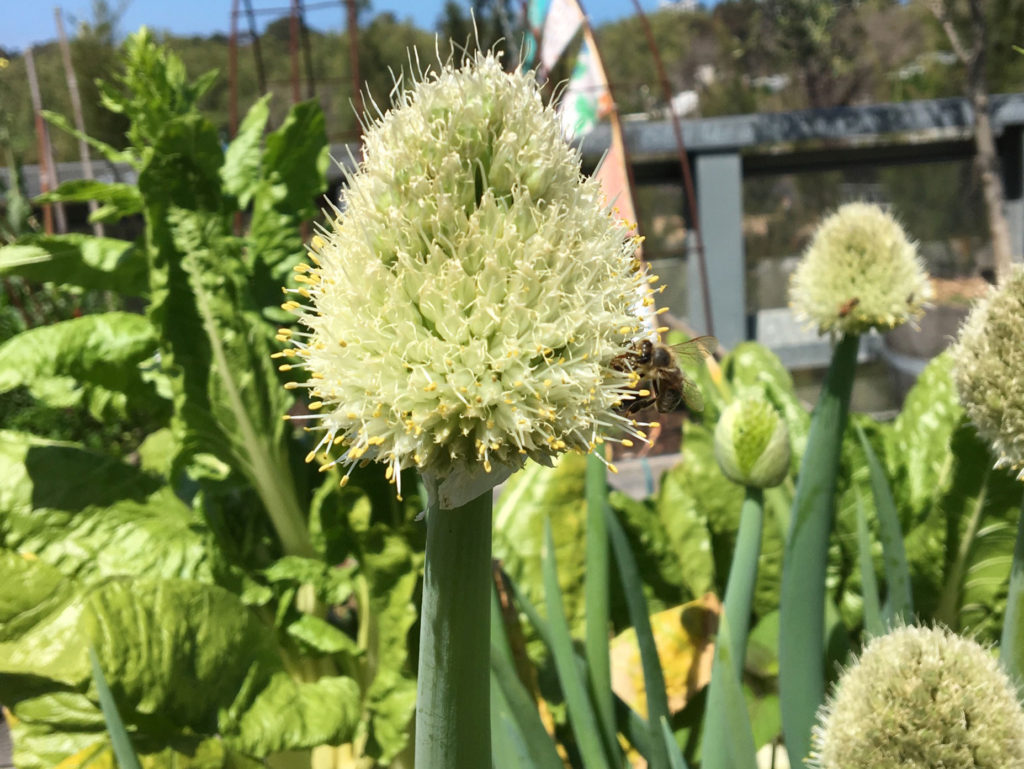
(726, 150)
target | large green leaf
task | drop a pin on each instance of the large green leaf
(100, 352)
(119, 200)
(293, 176)
(227, 396)
(531, 496)
(179, 656)
(92, 516)
(104, 264)
(242, 159)
(36, 473)
(918, 448)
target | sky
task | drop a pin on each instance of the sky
(27, 22)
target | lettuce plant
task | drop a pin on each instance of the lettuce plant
(241, 608)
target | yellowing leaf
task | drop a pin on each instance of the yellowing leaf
(683, 635)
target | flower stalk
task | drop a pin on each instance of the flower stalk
(453, 728)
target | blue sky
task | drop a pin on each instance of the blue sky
(26, 22)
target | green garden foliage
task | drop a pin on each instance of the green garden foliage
(230, 591)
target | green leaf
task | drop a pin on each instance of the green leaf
(519, 708)
(581, 712)
(899, 604)
(37, 473)
(293, 178)
(654, 679)
(917, 450)
(322, 637)
(119, 200)
(104, 264)
(178, 655)
(228, 399)
(102, 351)
(873, 623)
(242, 160)
(122, 746)
(531, 495)
(979, 517)
(112, 154)
(92, 516)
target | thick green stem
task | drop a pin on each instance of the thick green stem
(739, 591)
(726, 744)
(595, 592)
(453, 727)
(802, 599)
(1011, 643)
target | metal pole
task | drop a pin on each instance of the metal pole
(76, 109)
(261, 75)
(233, 71)
(684, 161)
(293, 48)
(307, 55)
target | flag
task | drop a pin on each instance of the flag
(586, 99)
(563, 20)
(536, 12)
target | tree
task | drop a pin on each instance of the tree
(966, 26)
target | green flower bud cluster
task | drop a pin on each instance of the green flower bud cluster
(989, 371)
(463, 307)
(859, 272)
(921, 698)
(752, 443)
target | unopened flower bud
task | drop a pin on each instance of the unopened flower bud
(752, 443)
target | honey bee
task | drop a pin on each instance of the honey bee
(659, 380)
(848, 306)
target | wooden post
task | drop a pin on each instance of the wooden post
(42, 143)
(76, 109)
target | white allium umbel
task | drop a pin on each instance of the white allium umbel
(921, 698)
(462, 307)
(860, 271)
(989, 370)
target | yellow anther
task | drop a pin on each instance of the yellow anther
(662, 329)
(343, 481)
(310, 456)
(315, 405)
(613, 468)
(290, 385)
(627, 443)
(643, 393)
(430, 387)
(659, 311)
(278, 354)
(285, 367)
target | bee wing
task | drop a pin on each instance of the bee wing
(691, 395)
(696, 348)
